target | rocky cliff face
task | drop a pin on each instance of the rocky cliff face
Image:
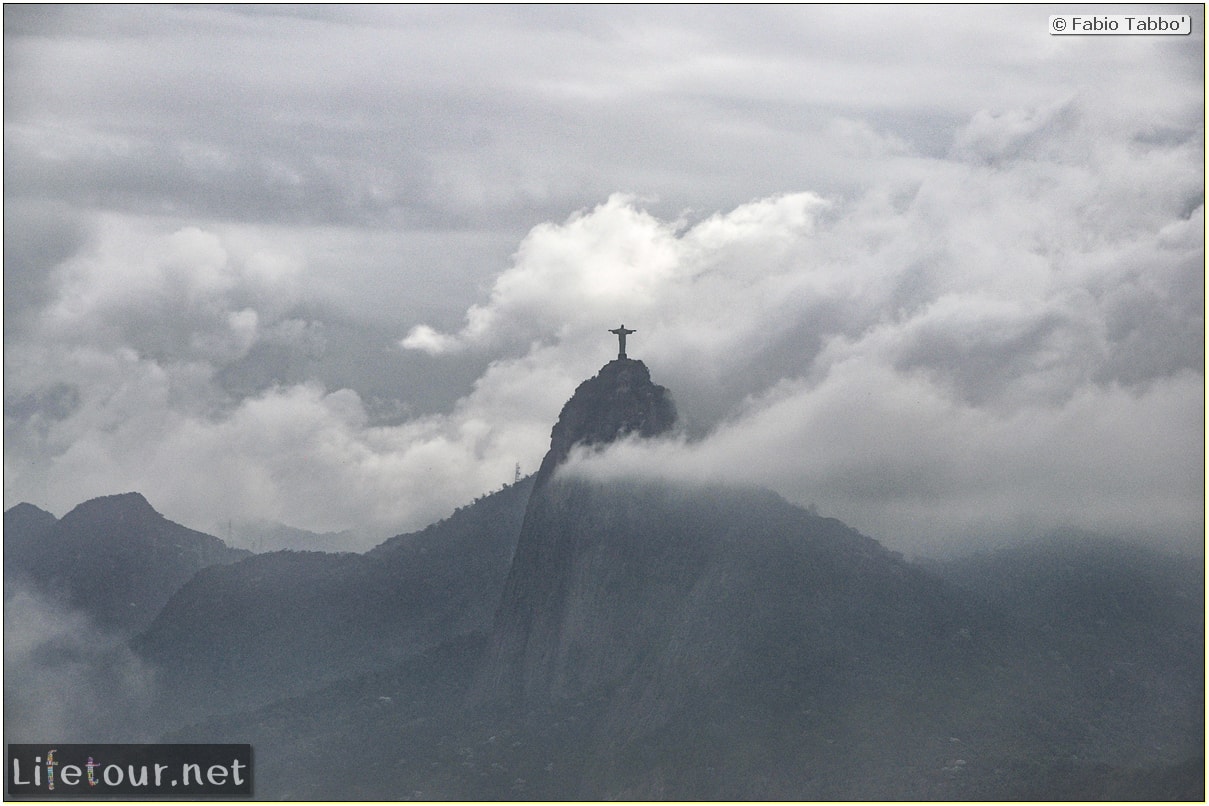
(527, 650)
(619, 401)
(651, 600)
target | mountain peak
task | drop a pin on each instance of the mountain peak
(25, 525)
(28, 511)
(113, 557)
(107, 507)
(618, 401)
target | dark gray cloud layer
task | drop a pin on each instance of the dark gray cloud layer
(930, 268)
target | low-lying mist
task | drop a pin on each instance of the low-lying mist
(66, 680)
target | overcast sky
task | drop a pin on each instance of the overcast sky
(930, 269)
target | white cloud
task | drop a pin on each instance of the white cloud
(594, 264)
(428, 340)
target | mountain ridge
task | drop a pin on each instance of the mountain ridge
(320, 616)
(113, 557)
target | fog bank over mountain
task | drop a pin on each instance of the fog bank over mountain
(67, 677)
(938, 478)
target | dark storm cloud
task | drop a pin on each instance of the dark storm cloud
(422, 119)
(39, 235)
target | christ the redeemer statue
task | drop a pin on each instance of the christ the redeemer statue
(621, 332)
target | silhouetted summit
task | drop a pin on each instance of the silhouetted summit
(25, 526)
(28, 516)
(114, 557)
(618, 401)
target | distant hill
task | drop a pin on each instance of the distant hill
(287, 621)
(264, 536)
(1095, 582)
(114, 558)
(25, 525)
